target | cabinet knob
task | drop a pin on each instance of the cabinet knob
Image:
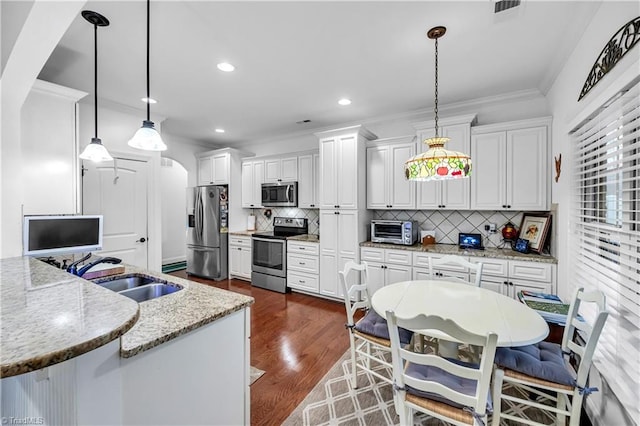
(508, 206)
(302, 263)
(504, 206)
(141, 240)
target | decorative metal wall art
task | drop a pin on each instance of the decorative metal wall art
(621, 42)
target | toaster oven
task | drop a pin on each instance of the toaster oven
(403, 232)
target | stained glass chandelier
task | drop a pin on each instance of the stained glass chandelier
(437, 163)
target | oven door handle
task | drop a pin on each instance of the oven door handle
(269, 240)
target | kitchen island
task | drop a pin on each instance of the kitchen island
(76, 353)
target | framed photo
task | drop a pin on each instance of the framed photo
(534, 227)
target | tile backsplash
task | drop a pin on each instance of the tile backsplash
(266, 224)
(448, 223)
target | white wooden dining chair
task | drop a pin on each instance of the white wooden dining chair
(447, 389)
(544, 369)
(451, 259)
(369, 337)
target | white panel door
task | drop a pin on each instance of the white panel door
(347, 173)
(329, 253)
(527, 169)
(289, 169)
(221, 169)
(377, 177)
(488, 176)
(456, 193)
(328, 174)
(119, 193)
(348, 244)
(205, 171)
(397, 273)
(307, 181)
(247, 187)
(272, 170)
(402, 193)
(376, 277)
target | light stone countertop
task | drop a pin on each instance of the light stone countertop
(496, 253)
(309, 238)
(49, 316)
(243, 233)
(170, 316)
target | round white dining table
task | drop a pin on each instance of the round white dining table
(476, 309)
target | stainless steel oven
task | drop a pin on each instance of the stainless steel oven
(269, 253)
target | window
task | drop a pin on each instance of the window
(605, 225)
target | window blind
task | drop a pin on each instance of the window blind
(605, 234)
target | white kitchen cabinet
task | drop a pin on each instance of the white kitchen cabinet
(50, 178)
(386, 266)
(510, 166)
(343, 168)
(421, 268)
(303, 266)
(387, 187)
(240, 257)
(281, 170)
(341, 234)
(511, 276)
(252, 179)
(308, 181)
(447, 194)
(213, 168)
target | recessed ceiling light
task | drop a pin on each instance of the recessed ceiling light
(226, 67)
(344, 101)
(149, 100)
(219, 130)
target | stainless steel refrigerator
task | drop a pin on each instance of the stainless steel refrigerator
(207, 232)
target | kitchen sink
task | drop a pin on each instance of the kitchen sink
(138, 287)
(150, 291)
(126, 282)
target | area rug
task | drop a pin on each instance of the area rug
(333, 402)
(255, 374)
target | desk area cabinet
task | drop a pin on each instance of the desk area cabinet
(303, 266)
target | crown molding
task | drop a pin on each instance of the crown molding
(46, 87)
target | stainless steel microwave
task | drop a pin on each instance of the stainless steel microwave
(403, 232)
(283, 194)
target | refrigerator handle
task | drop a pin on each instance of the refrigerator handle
(198, 212)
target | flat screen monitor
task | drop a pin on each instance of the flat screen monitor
(51, 235)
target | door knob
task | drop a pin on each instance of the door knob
(141, 240)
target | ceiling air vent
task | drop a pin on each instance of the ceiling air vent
(503, 5)
(303, 121)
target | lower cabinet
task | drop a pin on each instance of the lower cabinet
(508, 277)
(303, 266)
(421, 268)
(240, 257)
(386, 266)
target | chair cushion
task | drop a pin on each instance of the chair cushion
(542, 360)
(375, 325)
(435, 374)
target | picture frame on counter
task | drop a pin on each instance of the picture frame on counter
(534, 228)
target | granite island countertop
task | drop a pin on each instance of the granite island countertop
(170, 316)
(49, 316)
(492, 252)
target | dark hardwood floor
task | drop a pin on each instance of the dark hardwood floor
(295, 338)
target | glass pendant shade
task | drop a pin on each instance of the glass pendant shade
(96, 152)
(147, 138)
(437, 163)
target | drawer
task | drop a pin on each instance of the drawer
(237, 241)
(532, 271)
(398, 257)
(309, 264)
(303, 248)
(421, 260)
(303, 282)
(372, 254)
(494, 267)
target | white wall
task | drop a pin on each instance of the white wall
(173, 179)
(567, 113)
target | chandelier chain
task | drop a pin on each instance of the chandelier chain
(436, 90)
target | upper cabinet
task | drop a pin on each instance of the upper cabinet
(447, 194)
(281, 170)
(308, 180)
(252, 179)
(510, 166)
(343, 167)
(213, 168)
(387, 187)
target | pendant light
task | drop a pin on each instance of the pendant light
(147, 137)
(437, 163)
(95, 151)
